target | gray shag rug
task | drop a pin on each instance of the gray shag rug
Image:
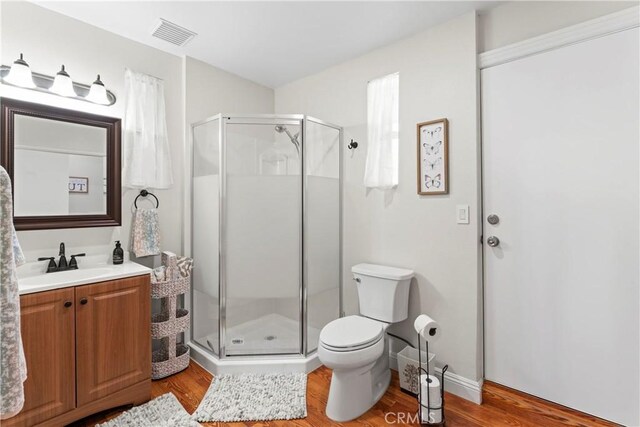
(254, 397)
(163, 411)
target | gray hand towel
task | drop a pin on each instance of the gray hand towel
(13, 367)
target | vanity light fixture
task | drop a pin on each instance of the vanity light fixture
(20, 74)
(98, 93)
(62, 84)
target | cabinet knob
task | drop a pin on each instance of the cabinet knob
(83, 301)
(68, 304)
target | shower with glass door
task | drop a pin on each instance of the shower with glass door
(265, 235)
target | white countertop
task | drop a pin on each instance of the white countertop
(32, 277)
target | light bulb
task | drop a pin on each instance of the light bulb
(20, 74)
(62, 84)
(98, 93)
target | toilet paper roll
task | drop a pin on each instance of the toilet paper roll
(430, 386)
(428, 328)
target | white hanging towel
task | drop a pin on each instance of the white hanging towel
(147, 162)
(13, 366)
(381, 169)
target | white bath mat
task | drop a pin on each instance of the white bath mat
(254, 397)
(163, 411)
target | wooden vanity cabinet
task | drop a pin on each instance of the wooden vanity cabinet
(48, 336)
(88, 349)
(113, 337)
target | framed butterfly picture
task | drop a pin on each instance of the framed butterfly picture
(433, 157)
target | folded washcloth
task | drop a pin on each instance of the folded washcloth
(159, 274)
(145, 233)
(169, 260)
(185, 264)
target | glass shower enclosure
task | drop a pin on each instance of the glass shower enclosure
(265, 234)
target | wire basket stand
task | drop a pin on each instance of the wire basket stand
(428, 407)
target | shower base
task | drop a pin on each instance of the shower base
(260, 345)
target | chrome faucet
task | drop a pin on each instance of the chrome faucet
(62, 262)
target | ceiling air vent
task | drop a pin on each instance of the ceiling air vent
(172, 33)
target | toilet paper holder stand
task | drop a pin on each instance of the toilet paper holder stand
(421, 405)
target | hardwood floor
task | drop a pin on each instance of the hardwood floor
(501, 406)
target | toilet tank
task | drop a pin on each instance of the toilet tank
(383, 292)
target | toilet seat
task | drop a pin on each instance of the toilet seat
(351, 333)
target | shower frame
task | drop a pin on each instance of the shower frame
(265, 119)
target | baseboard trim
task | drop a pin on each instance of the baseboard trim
(453, 383)
(602, 26)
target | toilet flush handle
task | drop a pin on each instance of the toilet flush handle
(357, 279)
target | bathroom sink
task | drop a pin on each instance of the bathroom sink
(31, 278)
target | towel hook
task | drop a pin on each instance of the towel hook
(353, 144)
(145, 193)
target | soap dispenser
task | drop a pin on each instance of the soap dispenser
(118, 254)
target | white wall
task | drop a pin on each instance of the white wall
(438, 78)
(519, 20)
(193, 90)
(48, 40)
(210, 91)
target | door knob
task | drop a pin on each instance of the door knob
(83, 301)
(493, 241)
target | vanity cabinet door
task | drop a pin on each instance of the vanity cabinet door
(113, 336)
(47, 326)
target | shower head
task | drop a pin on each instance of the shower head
(293, 138)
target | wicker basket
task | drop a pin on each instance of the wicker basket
(162, 325)
(170, 288)
(163, 364)
(166, 325)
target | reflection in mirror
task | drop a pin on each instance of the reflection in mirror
(60, 168)
(64, 166)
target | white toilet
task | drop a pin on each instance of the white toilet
(356, 348)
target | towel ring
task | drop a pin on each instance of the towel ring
(145, 193)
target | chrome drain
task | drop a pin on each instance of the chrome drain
(270, 338)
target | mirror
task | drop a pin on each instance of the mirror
(64, 166)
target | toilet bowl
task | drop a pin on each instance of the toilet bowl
(356, 347)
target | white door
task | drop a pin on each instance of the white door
(560, 170)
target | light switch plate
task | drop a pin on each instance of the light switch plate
(462, 214)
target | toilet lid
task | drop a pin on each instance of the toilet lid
(351, 332)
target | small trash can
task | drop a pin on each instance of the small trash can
(408, 369)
